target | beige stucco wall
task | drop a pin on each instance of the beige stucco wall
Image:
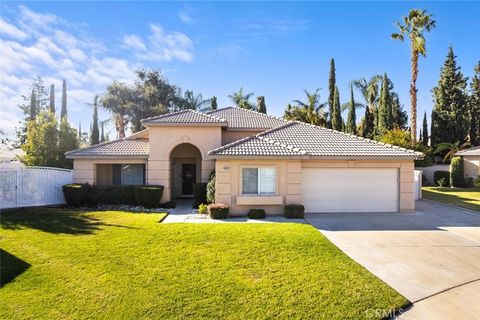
(164, 139)
(471, 165)
(85, 170)
(289, 182)
(229, 136)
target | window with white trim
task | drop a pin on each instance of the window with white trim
(259, 181)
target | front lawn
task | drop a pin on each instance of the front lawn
(463, 197)
(119, 265)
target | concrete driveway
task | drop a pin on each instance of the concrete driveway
(432, 256)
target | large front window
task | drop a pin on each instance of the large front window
(259, 181)
(129, 174)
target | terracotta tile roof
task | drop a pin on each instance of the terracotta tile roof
(239, 118)
(127, 147)
(184, 117)
(312, 141)
(475, 151)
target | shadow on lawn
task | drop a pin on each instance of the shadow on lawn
(10, 267)
(54, 221)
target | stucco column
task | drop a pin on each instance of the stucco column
(159, 174)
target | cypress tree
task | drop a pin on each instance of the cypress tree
(368, 124)
(450, 105)
(52, 99)
(80, 131)
(33, 106)
(433, 131)
(421, 136)
(63, 111)
(337, 121)
(385, 117)
(213, 103)
(425, 130)
(102, 129)
(331, 94)
(261, 107)
(351, 118)
(94, 135)
(474, 102)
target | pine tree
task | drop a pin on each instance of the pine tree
(425, 130)
(337, 121)
(63, 111)
(102, 130)
(331, 95)
(261, 107)
(94, 135)
(213, 103)
(450, 104)
(385, 117)
(33, 106)
(351, 118)
(52, 99)
(67, 141)
(474, 103)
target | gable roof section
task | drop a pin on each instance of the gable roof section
(309, 141)
(475, 151)
(239, 118)
(126, 148)
(184, 117)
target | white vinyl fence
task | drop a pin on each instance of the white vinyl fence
(417, 178)
(32, 186)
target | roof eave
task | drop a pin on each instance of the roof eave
(308, 157)
(184, 124)
(89, 156)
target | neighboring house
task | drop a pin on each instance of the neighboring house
(260, 161)
(471, 161)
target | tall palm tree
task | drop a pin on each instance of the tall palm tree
(369, 90)
(417, 22)
(311, 111)
(242, 100)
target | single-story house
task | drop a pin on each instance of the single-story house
(471, 161)
(261, 161)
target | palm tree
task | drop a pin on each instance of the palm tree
(310, 111)
(195, 101)
(242, 100)
(414, 26)
(452, 148)
(369, 90)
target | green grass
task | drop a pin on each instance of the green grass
(119, 265)
(463, 197)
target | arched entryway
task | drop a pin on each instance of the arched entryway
(185, 169)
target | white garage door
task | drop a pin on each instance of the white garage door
(350, 189)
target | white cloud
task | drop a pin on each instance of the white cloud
(133, 42)
(161, 45)
(38, 19)
(11, 30)
(185, 18)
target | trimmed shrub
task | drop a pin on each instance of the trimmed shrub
(469, 182)
(168, 205)
(211, 188)
(218, 210)
(115, 194)
(294, 211)
(199, 194)
(256, 214)
(457, 179)
(74, 194)
(148, 196)
(439, 174)
(203, 209)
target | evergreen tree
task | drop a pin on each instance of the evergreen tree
(450, 104)
(421, 136)
(33, 106)
(433, 131)
(63, 111)
(425, 130)
(67, 141)
(368, 124)
(337, 111)
(351, 118)
(94, 135)
(400, 116)
(474, 104)
(213, 103)
(52, 99)
(385, 117)
(102, 130)
(261, 107)
(80, 130)
(40, 146)
(331, 95)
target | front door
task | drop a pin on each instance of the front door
(189, 174)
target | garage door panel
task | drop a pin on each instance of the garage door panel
(350, 189)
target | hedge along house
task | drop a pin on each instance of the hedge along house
(260, 161)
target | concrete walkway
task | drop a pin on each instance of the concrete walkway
(432, 256)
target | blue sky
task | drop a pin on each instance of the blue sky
(271, 49)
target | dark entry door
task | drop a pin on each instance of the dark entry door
(189, 174)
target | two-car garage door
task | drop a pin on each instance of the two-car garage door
(350, 189)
